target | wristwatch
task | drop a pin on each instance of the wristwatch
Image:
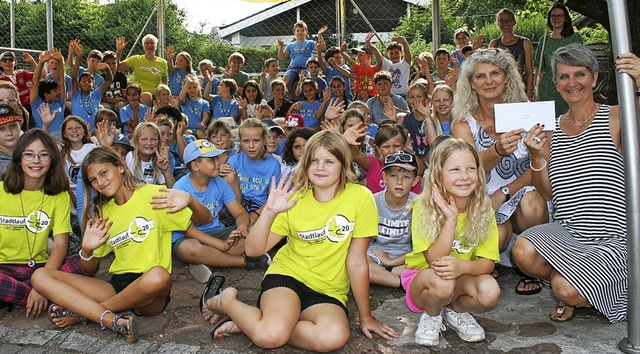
(505, 190)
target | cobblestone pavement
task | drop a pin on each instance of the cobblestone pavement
(519, 324)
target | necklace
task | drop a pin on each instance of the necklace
(485, 122)
(36, 226)
(572, 123)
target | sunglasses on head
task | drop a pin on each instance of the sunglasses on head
(398, 156)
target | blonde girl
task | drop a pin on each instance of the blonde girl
(304, 291)
(35, 203)
(163, 97)
(419, 124)
(149, 161)
(194, 106)
(455, 246)
(219, 134)
(137, 228)
(254, 167)
(442, 104)
(179, 70)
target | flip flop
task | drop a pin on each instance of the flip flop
(213, 288)
(560, 309)
(528, 281)
(61, 312)
(227, 332)
(131, 329)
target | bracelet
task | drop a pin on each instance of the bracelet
(544, 164)
(85, 258)
(496, 147)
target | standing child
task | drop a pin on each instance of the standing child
(194, 106)
(35, 204)
(19, 78)
(418, 124)
(134, 221)
(236, 62)
(223, 104)
(133, 113)
(300, 51)
(387, 252)
(114, 95)
(304, 291)
(270, 71)
(149, 162)
(179, 70)
(398, 67)
(255, 168)
(309, 107)
(48, 93)
(455, 246)
(363, 69)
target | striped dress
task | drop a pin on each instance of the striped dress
(586, 243)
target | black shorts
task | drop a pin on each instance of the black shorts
(121, 281)
(307, 296)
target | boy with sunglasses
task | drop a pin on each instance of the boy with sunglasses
(20, 78)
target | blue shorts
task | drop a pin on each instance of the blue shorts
(294, 74)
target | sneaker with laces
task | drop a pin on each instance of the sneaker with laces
(201, 272)
(428, 331)
(464, 324)
(262, 262)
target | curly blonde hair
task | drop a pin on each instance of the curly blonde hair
(430, 218)
(465, 99)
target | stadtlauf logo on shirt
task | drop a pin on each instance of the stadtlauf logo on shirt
(337, 229)
(36, 222)
(139, 229)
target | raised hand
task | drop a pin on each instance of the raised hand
(45, 114)
(172, 199)
(355, 134)
(121, 43)
(280, 194)
(170, 53)
(448, 207)
(330, 125)
(96, 233)
(334, 109)
(280, 42)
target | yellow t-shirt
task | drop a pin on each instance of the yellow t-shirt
(42, 217)
(147, 73)
(487, 249)
(319, 238)
(140, 236)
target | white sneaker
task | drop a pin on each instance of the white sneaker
(464, 324)
(201, 272)
(428, 331)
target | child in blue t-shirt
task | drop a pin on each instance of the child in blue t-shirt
(194, 106)
(223, 104)
(179, 70)
(310, 107)
(134, 112)
(49, 95)
(300, 51)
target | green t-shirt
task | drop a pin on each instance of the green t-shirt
(319, 238)
(487, 249)
(147, 73)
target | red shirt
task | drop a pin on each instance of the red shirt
(22, 81)
(364, 80)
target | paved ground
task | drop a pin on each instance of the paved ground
(519, 324)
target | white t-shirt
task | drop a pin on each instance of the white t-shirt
(399, 76)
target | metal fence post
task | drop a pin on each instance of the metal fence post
(161, 34)
(621, 42)
(49, 9)
(435, 21)
(12, 19)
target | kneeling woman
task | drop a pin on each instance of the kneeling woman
(134, 221)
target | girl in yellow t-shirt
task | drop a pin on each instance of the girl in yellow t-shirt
(134, 221)
(30, 211)
(455, 246)
(304, 291)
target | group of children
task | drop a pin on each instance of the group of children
(231, 202)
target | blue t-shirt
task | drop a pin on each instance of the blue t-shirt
(255, 176)
(86, 107)
(222, 108)
(173, 147)
(214, 84)
(194, 110)
(98, 80)
(126, 114)
(67, 82)
(215, 197)
(330, 73)
(446, 128)
(321, 86)
(55, 106)
(300, 53)
(176, 78)
(308, 113)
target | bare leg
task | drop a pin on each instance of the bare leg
(475, 293)
(529, 260)
(531, 211)
(328, 319)
(381, 276)
(193, 252)
(430, 292)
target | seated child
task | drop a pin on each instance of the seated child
(133, 113)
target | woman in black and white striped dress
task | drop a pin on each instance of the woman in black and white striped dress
(583, 253)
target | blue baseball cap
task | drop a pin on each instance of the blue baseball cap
(201, 148)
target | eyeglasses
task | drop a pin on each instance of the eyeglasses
(398, 156)
(42, 156)
(557, 17)
(9, 101)
(8, 60)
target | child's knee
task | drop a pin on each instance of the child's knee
(488, 293)
(157, 279)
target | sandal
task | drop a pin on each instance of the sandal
(227, 332)
(131, 331)
(214, 286)
(524, 282)
(61, 312)
(562, 312)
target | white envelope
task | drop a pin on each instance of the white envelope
(524, 115)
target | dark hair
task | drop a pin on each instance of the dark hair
(442, 51)
(95, 54)
(329, 53)
(466, 49)
(46, 86)
(56, 180)
(171, 112)
(567, 29)
(287, 153)
(394, 45)
(108, 54)
(255, 85)
(382, 75)
(231, 85)
(105, 114)
(134, 86)
(344, 84)
(269, 61)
